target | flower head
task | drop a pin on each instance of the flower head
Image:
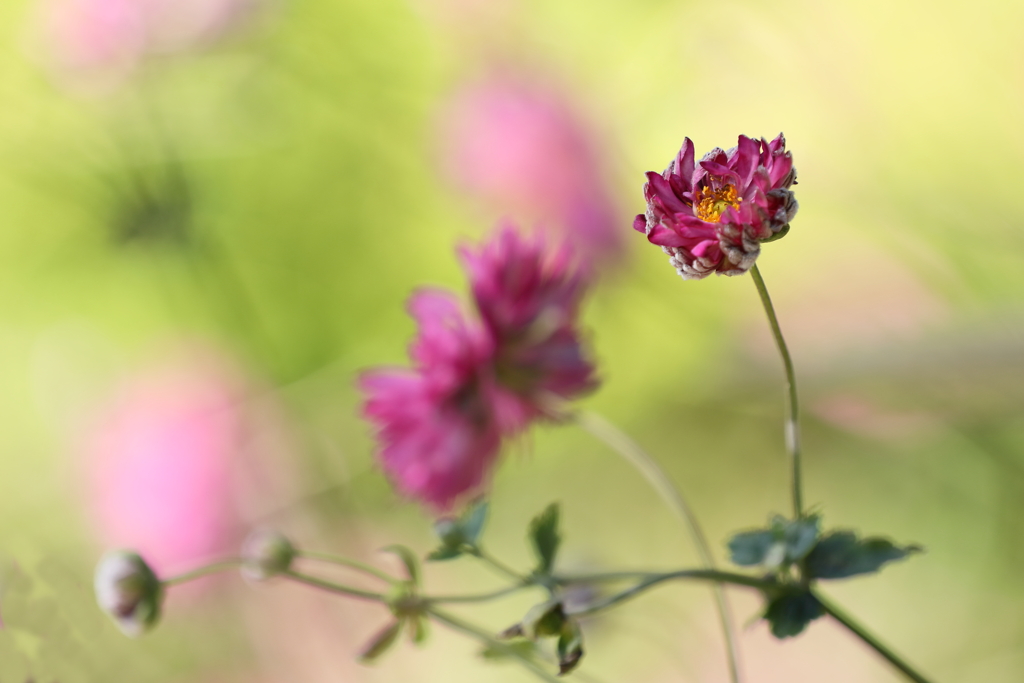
(476, 380)
(128, 590)
(527, 294)
(711, 216)
(438, 436)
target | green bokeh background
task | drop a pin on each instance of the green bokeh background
(314, 206)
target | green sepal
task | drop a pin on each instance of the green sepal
(545, 539)
(443, 553)
(409, 559)
(570, 647)
(841, 554)
(459, 533)
(783, 231)
(789, 612)
(418, 629)
(381, 642)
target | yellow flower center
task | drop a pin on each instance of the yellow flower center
(712, 203)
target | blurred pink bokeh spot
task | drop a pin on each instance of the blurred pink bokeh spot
(163, 460)
(525, 153)
(110, 38)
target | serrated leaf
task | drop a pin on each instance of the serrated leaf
(750, 548)
(570, 647)
(409, 559)
(789, 613)
(800, 536)
(545, 538)
(381, 642)
(841, 555)
(472, 521)
(443, 553)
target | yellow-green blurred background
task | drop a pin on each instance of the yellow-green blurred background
(277, 195)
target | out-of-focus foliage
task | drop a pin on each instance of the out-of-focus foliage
(276, 195)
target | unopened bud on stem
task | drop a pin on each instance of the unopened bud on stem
(266, 553)
(129, 591)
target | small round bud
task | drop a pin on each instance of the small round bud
(129, 591)
(266, 553)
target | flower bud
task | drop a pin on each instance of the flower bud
(129, 591)
(266, 553)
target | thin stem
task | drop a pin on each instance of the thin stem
(345, 562)
(332, 587)
(875, 644)
(477, 551)
(655, 579)
(792, 404)
(492, 642)
(649, 468)
(482, 597)
(202, 571)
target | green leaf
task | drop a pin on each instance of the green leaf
(789, 613)
(443, 553)
(570, 647)
(751, 548)
(381, 642)
(841, 554)
(800, 536)
(545, 539)
(472, 521)
(408, 558)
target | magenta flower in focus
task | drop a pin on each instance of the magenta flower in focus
(712, 216)
(477, 380)
(527, 154)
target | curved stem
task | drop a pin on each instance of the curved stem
(649, 468)
(484, 637)
(332, 587)
(875, 644)
(482, 597)
(345, 562)
(792, 404)
(202, 571)
(652, 580)
(478, 552)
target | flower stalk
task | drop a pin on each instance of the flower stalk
(792, 424)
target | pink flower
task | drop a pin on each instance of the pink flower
(439, 439)
(712, 217)
(161, 459)
(527, 154)
(528, 296)
(474, 381)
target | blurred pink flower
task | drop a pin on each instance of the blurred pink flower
(162, 463)
(711, 217)
(528, 293)
(524, 151)
(439, 438)
(475, 381)
(112, 37)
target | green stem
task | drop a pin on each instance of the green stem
(792, 404)
(486, 638)
(332, 587)
(482, 597)
(659, 480)
(652, 580)
(875, 644)
(478, 552)
(345, 562)
(202, 571)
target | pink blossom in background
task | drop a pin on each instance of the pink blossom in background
(438, 436)
(524, 152)
(527, 291)
(162, 459)
(711, 216)
(477, 380)
(110, 38)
